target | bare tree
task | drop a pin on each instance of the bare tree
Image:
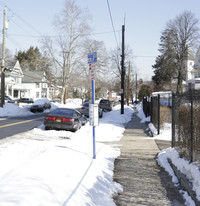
(180, 34)
(72, 27)
(115, 66)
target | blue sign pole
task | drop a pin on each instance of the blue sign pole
(93, 131)
(92, 58)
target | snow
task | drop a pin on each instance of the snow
(51, 167)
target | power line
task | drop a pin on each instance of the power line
(27, 23)
(144, 56)
(112, 22)
(55, 36)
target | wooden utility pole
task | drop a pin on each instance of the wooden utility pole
(3, 61)
(136, 87)
(122, 73)
(128, 92)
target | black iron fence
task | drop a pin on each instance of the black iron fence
(185, 125)
(183, 111)
(155, 112)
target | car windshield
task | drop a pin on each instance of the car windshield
(104, 101)
(7, 98)
(41, 101)
(63, 111)
(86, 105)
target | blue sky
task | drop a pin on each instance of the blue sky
(144, 21)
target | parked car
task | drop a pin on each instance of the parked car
(25, 100)
(9, 100)
(85, 110)
(64, 119)
(55, 100)
(40, 105)
(106, 105)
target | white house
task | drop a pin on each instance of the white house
(29, 84)
(190, 70)
(193, 80)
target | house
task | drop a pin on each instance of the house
(190, 62)
(193, 80)
(29, 84)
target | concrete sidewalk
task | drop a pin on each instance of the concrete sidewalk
(143, 181)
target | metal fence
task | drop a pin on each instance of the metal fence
(185, 125)
(146, 106)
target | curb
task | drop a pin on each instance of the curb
(184, 182)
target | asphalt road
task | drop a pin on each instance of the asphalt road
(13, 125)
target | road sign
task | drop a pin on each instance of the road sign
(94, 114)
(92, 57)
(92, 70)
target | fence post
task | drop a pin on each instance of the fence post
(151, 113)
(173, 121)
(158, 113)
(191, 128)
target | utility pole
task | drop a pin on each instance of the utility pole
(122, 73)
(3, 60)
(128, 93)
(136, 87)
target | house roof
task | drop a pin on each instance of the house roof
(34, 77)
(14, 69)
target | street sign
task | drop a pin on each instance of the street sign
(92, 57)
(94, 114)
(92, 70)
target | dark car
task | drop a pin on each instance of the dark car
(85, 110)
(106, 105)
(64, 119)
(40, 105)
(25, 100)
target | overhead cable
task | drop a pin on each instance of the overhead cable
(112, 22)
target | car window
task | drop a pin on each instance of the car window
(7, 98)
(77, 114)
(67, 112)
(104, 101)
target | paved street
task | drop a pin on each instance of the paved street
(143, 181)
(14, 125)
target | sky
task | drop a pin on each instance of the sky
(27, 177)
(144, 21)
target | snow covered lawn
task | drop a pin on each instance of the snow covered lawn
(56, 167)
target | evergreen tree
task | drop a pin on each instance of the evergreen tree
(145, 91)
(33, 60)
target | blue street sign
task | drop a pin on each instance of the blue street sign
(92, 57)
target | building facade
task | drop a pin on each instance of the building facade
(28, 84)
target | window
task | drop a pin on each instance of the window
(44, 85)
(37, 85)
(15, 94)
(37, 94)
(44, 95)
